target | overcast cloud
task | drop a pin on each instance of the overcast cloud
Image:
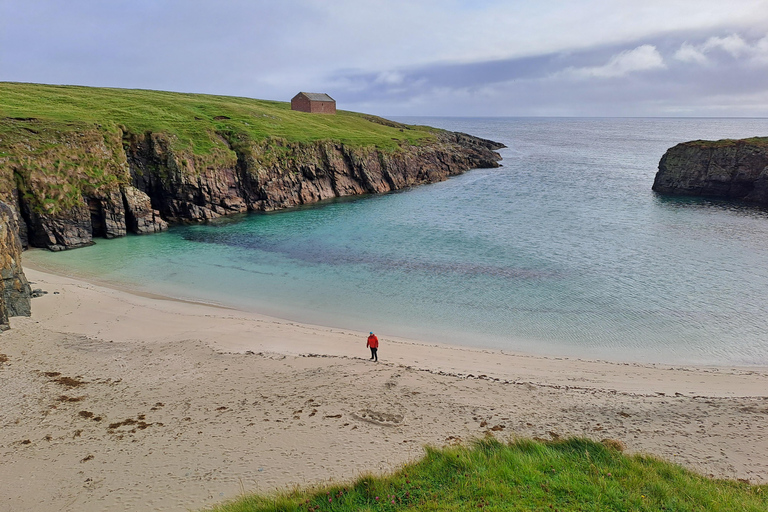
(409, 57)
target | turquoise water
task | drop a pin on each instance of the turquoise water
(565, 250)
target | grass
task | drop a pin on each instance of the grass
(194, 120)
(723, 143)
(53, 163)
(565, 475)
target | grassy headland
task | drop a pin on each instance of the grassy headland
(60, 143)
(195, 119)
(761, 142)
(568, 476)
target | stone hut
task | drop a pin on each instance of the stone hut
(313, 102)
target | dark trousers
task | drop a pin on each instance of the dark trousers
(374, 356)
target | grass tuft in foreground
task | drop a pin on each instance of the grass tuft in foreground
(567, 475)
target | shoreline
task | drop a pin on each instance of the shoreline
(574, 355)
(196, 403)
(448, 364)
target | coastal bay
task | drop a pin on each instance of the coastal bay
(183, 368)
(563, 251)
(553, 216)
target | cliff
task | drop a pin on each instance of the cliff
(274, 174)
(729, 169)
(109, 162)
(14, 289)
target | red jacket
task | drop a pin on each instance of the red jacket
(373, 341)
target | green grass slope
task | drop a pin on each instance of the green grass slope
(761, 142)
(194, 119)
(566, 476)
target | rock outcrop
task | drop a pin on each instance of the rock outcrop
(14, 289)
(155, 183)
(110, 215)
(728, 169)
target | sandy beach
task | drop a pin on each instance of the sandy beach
(117, 401)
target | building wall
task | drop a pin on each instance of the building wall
(323, 107)
(301, 103)
(304, 104)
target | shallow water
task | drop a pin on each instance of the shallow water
(563, 251)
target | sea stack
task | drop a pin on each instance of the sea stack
(726, 169)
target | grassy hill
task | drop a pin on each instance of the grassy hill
(79, 162)
(59, 144)
(567, 476)
(194, 119)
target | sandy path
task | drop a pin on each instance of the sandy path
(173, 413)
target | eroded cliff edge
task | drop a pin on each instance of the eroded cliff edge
(15, 293)
(73, 185)
(728, 169)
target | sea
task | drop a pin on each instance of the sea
(563, 251)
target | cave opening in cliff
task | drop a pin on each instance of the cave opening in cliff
(98, 227)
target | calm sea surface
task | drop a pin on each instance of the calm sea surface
(565, 250)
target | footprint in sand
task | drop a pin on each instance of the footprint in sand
(383, 419)
(392, 382)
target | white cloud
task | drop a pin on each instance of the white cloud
(642, 58)
(733, 45)
(390, 78)
(378, 35)
(690, 53)
(760, 52)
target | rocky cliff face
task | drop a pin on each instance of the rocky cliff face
(156, 184)
(273, 174)
(730, 169)
(14, 289)
(108, 215)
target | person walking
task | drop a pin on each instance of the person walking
(373, 344)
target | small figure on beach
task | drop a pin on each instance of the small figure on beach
(373, 344)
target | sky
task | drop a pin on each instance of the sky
(409, 57)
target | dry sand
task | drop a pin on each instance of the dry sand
(115, 401)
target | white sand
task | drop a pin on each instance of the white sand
(209, 420)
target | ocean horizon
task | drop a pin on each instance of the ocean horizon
(563, 251)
